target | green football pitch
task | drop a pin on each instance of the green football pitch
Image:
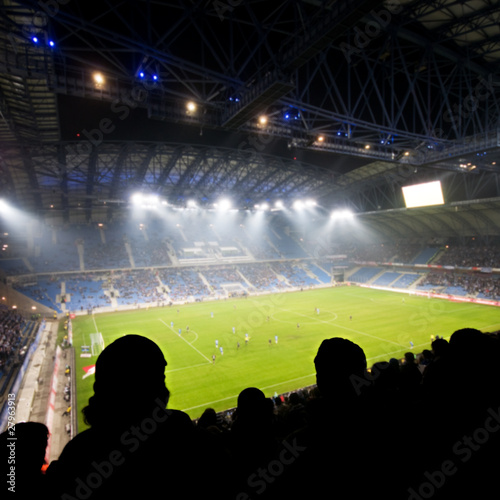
(384, 324)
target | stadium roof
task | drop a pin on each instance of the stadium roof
(401, 92)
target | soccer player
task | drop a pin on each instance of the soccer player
(246, 338)
(237, 345)
(180, 331)
(213, 358)
(411, 344)
(276, 339)
(270, 342)
(211, 314)
(234, 329)
(171, 324)
(221, 350)
(216, 344)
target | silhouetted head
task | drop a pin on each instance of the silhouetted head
(29, 447)
(129, 381)
(251, 400)
(409, 358)
(440, 347)
(253, 406)
(338, 362)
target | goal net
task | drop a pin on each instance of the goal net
(96, 343)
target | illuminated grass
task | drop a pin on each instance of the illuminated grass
(382, 324)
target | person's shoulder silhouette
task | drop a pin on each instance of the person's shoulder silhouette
(135, 446)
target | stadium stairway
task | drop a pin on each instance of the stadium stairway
(417, 282)
(350, 272)
(309, 273)
(243, 277)
(271, 244)
(206, 282)
(81, 260)
(129, 253)
(376, 277)
(27, 263)
(172, 254)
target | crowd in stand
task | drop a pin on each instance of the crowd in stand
(11, 324)
(261, 277)
(293, 276)
(421, 427)
(221, 275)
(488, 285)
(183, 283)
(150, 253)
(471, 256)
(134, 286)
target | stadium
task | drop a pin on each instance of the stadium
(238, 182)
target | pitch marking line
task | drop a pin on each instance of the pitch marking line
(185, 368)
(188, 343)
(235, 397)
(288, 381)
(344, 327)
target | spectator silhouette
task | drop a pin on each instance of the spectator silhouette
(340, 453)
(252, 440)
(23, 455)
(135, 446)
(411, 377)
(462, 393)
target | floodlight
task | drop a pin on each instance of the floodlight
(342, 214)
(224, 204)
(279, 205)
(136, 198)
(191, 107)
(98, 79)
(298, 204)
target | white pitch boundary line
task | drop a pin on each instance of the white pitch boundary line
(263, 388)
(185, 368)
(394, 352)
(189, 344)
(496, 325)
(344, 327)
(287, 381)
